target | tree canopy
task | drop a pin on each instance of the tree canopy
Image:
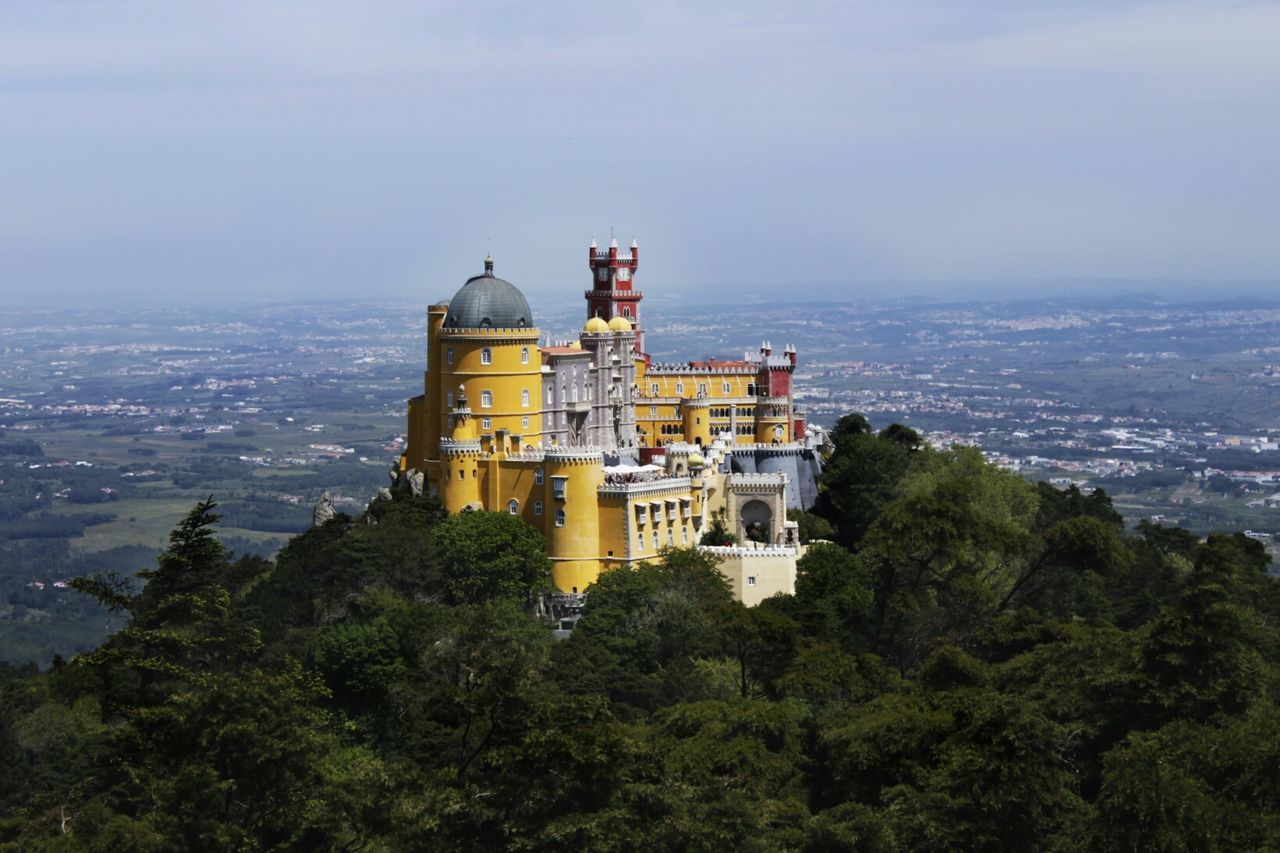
(969, 662)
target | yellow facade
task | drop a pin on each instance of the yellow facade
(731, 397)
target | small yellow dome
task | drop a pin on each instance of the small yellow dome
(575, 345)
(696, 461)
(619, 324)
(596, 326)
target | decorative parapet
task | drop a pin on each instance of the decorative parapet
(449, 445)
(574, 454)
(686, 368)
(776, 478)
(727, 551)
(665, 485)
(492, 333)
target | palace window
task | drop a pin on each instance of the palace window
(524, 355)
(702, 389)
(559, 518)
(448, 355)
(524, 422)
(751, 580)
(486, 399)
(671, 536)
(655, 540)
(626, 312)
(448, 398)
(537, 476)
(551, 395)
(524, 398)
(486, 356)
(537, 507)
(653, 389)
(684, 535)
(653, 411)
(513, 506)
(680, 388)
(486, 423)
(725, 388)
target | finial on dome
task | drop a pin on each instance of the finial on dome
(488, 265)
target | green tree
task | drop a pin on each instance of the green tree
(946, 552)
(487, 556)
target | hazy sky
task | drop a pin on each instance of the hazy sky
(156, 149)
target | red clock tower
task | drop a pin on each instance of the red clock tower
(611, 294)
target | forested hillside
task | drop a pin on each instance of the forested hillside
(971, 662)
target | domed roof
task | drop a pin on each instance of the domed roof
(487, 301)
(595, 326)
(620, 324)
(696, 460)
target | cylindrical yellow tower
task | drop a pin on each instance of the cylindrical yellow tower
(500, 371)
(572, 477)
(697, 421)
(771, 420)
(460, 462)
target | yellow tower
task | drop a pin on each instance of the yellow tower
(697, 421)
(574, 474)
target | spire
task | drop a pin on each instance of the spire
(488, 265)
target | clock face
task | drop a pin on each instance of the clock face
(624, 274)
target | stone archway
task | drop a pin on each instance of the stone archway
(755, 519)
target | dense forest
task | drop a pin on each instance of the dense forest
(969, 662)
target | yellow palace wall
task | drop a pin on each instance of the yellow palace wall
(661, 394)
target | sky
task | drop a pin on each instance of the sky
(166, 151)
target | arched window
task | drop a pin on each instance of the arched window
(524, 355)
(537, 507)
(486, 399)
(551, 395)
(626, 312)
(751, 389)
(702, 389)
(537, 476)
(656, 546)
(486, 356)
(485, 423)
(448, 398)
(524, 398)
(513, 506)
(725, 388)
(680, 388)
(653, 389)
(524, 422)
(559, 518)
(448, 355)
(671, 536)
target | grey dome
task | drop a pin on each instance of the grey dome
(486, 301)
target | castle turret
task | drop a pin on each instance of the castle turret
(572, 477)
(611, 294)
